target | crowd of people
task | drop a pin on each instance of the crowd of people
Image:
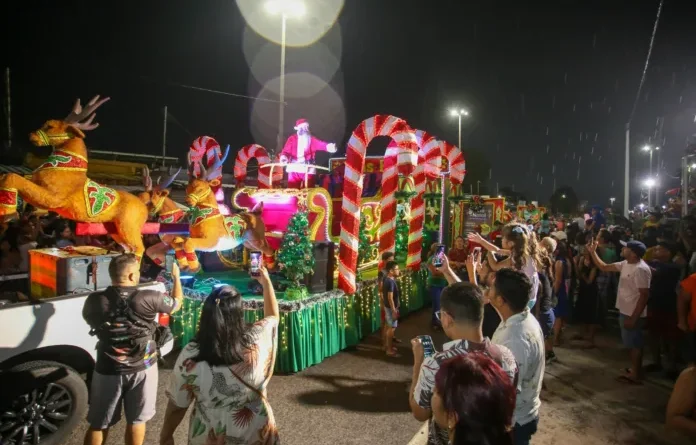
(512, 293)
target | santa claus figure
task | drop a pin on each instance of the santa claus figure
(300, 149)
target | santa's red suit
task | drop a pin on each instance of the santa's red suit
(301, 148)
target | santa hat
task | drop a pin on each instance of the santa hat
(301, 123)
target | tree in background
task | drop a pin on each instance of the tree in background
(295, 258)
(511, 196)
(564, 200)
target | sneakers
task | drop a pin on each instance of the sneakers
(551, 357)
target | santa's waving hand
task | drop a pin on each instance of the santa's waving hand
(300, 149)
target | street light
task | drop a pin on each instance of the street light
(611, 200)
(563, 196)
(293, 9)
(650, 150)
(459, 112)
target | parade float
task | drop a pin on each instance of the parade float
(321, 243)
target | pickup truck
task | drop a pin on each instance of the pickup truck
(46, 361)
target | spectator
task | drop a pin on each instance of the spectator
(10, 258)
(225, 372)
(64, 235)
(386, 257)
(496, 234)
(491, 319)
(519, 242)
(392, 302)
(662, 308)
(589, 311)
(562, 273)
(681, 408)
(457, 255)
(544, 226)
(123, 319)
(462, 316)
(474, 400)
(598, 220)
(520, 332)
(631, 301)
(27, 242)
(543, 310)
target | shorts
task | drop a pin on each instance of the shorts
(632, 338)
(663, 324)
(137, 393)
(546, 320)
(389, 318)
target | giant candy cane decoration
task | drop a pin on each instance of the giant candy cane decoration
(261, 155)
(429, 162)
(405, 138)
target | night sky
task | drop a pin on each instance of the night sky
(547, 83)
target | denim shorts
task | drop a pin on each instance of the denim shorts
(546, 320)
(632, 338)
(389, 318)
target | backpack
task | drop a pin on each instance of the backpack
(123, 330)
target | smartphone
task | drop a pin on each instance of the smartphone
(477, 250)
(439, 253)
(255, 264)
(428, 346)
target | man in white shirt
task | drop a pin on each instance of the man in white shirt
(631, 301)
(520, 332)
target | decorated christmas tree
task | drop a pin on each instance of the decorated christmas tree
(364, 246)
(295, 258)
(402, 226)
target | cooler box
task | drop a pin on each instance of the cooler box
(54, 272)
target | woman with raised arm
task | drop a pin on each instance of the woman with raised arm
(225, 371)
(521, 247)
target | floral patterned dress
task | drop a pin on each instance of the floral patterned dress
(227, 411)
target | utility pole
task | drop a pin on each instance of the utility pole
(626, 168)
(657, 175)
(8, 110)
(164, 136)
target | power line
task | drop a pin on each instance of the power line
(208, 90)
(647, 62)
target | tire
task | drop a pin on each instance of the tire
(47, 398)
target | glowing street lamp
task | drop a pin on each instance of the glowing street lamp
(611, 200)
(458, 113)
(292, 9)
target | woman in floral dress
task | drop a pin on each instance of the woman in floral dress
(224, 373)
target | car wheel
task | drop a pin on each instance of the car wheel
(43, 402)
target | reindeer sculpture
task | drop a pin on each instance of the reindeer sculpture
(161, 208)
(61, 184)
(210, 231)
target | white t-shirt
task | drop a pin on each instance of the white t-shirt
(529, 269)
(633, 278)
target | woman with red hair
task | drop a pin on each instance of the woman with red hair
(474, 399)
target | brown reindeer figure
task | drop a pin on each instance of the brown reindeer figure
(61, 184)
(210, 231)
(162, 209)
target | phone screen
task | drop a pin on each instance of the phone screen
(428, 346)
(255, 264)
(439, 253)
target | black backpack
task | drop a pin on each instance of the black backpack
(123, 330)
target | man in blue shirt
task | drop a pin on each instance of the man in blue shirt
(598, 220)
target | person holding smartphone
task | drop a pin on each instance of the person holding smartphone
(461, 315)
(390, 288)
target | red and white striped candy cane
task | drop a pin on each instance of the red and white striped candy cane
(455, 159)
(261, 155)
(405, 138)
(208, 147)
(429, 162)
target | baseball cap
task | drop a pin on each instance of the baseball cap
(636, 246)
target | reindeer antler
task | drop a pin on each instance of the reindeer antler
(169, 180)
(217, 165)
(82, 118)
(147, 180)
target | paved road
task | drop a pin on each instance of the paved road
(359, 396)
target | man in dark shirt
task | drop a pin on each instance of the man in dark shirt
(386, 257)
(124, 319)
(390, 288)
(662, 306)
